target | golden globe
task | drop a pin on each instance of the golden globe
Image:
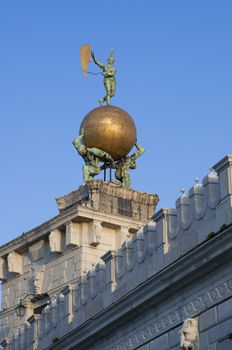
(110, 129)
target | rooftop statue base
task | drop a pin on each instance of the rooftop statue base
(109, 198)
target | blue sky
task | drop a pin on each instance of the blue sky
(174, 76)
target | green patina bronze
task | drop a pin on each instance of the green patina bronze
(108, 71)
(91, 156)
(122, 167)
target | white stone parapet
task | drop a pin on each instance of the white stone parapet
(199, 215)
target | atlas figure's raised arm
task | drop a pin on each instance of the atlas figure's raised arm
(140, 150)
(101, 154)
(78, 140)
(78, 144)
(101, 65)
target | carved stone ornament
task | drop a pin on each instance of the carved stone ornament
(37, 281)
(189, 336)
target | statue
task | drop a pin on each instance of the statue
(108, 71)
(189, 337)
(91, 156)
(108, 133)
(129, 162)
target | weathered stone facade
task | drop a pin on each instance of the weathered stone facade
(40, 263)
(117, 281)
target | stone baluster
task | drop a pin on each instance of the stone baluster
(157, 241)
(197, 200)
(224, 171)
(42, 336)
(47, 319)
(14, 342)
(173, 224)
(120, 263)
(212, 190)
(68, 303)
(76, 303)
(45, 327)
(140, 246)
(224, 207)
(54, 313)
(35, 320)
(23, 338)
(109, 261)
(84, 289)
(173, 231)
(184, 212)
(3, 330)
(76, 299)
(129, 254)
(92, 282)
(161, 241)
(17, 341)
(40, 326)
(43, 324)
(149, 231)
(61, 325)
(101, 276)
(61, 307)
(10, 344)
(29, 335)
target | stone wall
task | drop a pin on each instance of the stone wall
(175, 267)
(143, 316)
(36, 266)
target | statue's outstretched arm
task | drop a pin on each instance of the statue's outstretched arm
(77, 142)
(101, 154)
(98, 63)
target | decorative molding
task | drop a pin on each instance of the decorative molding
(55, 241)
(3, 269)
(73, 234)
(184, 212)
(15, 263)
(95, 232)
(37, 250)
(192, 308)
(37, 282)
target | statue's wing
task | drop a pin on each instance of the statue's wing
(85, 56)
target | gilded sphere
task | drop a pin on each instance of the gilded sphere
(110, 129)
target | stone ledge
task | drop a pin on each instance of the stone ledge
(111, 199)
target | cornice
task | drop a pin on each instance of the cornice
(74, 213)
